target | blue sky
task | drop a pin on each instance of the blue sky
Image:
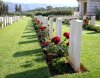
(63, 2)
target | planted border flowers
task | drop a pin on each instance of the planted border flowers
(55, 50)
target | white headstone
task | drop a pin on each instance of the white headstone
(51, 27)
(46, 22)
(76, 14)
(75, 43)
(11, 20)
(84, 17)
(5, 21)
(40, 18)
(59, 27)
(93, 20)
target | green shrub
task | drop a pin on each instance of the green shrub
(66, 21)
(54, 19)
(91, 27)
(59, 65)
(53, 12)
(98, 14)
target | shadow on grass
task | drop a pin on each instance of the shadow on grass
(32, 62)
(93, 32)
(26, 42)
(25, 53)
(27, 65)
(35, 73)
(29, 36)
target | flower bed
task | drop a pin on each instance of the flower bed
(55, 50)
(88, 26)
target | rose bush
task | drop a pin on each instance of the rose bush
(38, 22)
(42, 28)
(86, 21)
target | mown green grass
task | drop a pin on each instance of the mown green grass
(98, 22)
(20, 52)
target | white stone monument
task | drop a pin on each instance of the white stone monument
(46, 22)
(5, 21)
(51, 27)
(75, 44)
(59, 27)
(84, 17)
(11, 20)
(93, 20)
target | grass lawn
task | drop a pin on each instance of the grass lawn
(20, 52)
(98, 22)
(21, 55)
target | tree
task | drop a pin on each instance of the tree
(49, 8)
(6, 9)
(19, 8)
(0, 7)
(16, 8)
(3, 8)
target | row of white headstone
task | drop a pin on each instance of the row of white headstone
(7, 20)
(75, 37)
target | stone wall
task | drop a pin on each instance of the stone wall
(92, 5)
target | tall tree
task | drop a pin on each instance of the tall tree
(16, 8)
(1, 7)
(6, 9)
(20, 8)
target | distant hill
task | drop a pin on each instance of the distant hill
(32, 6)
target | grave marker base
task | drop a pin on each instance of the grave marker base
(81, 69)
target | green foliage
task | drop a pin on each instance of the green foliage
(58, 64)
(59, 12)
(49, 10)
(98, 14)
(3, 8)
(92, 27)
(18, 9)
(66, 21)
(62, 48)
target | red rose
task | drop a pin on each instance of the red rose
(42, 28)
(45, 44)
(86, 21)
(38, 22)
(66, 34)
(55, 40)
(67, 44)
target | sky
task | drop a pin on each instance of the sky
(63, 2)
